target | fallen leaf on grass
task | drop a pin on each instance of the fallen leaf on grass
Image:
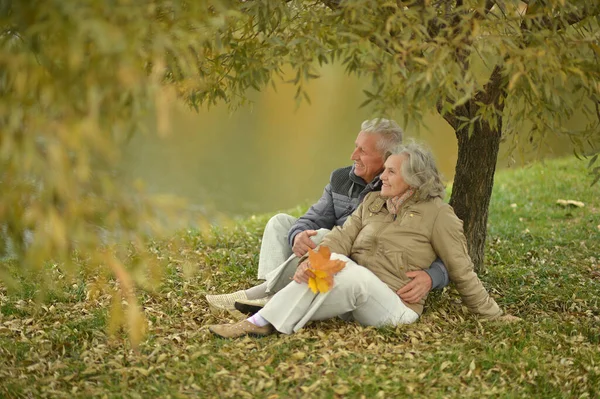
(298, 355)
(574, 203)
(508, 318)
(323, 268)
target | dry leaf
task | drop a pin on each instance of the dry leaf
(323, 268)
(299, 355)
(563, 202)
(509, 318)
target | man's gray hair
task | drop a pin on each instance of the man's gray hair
(419, 170)
(391, 133)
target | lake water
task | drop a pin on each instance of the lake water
(272, 155)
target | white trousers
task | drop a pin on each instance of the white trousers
(357, 294)
(280, 277)
(275, 251)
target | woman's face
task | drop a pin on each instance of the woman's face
(393, 182)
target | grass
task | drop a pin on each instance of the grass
(543, 265)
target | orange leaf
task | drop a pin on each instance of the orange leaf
(324, 269)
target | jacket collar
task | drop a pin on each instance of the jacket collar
(377, 204)
(359, 180)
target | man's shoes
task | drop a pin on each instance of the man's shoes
(225, 301)
(251, 306)
(240, 329)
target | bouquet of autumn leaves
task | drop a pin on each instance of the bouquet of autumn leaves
(323, 268)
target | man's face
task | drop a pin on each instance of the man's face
(368, 160)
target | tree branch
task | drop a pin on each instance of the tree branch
(494, 88)
(332, 4)
(573, 18)
(547, 22)
(449, 117)
(489, 4)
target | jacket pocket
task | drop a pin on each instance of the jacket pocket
(411, 219)
(398, 260)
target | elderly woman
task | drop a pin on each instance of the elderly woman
(402, 228)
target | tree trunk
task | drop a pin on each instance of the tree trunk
(473, 182)
(476, 163)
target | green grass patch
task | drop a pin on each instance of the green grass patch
(542, 264)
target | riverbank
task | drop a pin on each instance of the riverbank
(543, 265)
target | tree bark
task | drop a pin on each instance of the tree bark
(476, 164)
(473, 183)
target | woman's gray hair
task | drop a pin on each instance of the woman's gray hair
(419, 171)
(390, 132)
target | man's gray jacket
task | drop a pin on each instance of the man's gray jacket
(340, 198)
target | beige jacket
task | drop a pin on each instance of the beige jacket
(390, 247)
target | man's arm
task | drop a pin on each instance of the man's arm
(320, 215)
(341, 239)
(439, 275)
(423, 281)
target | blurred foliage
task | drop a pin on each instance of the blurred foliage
(76, 80)
(78, 77)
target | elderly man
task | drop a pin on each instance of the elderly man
(286, 238)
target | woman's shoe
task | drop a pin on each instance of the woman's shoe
(240, 329)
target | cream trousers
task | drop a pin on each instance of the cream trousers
(357, 294)
(275, 250)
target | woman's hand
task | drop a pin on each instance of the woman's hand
(303, 273)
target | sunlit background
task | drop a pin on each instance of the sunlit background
(273, 155)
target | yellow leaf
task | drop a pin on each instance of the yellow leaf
(323, 285)
(513, 80)
(324, 268)
(312, 283)
(142, 371)
(445, 364)
(321, 274)
(161, 358)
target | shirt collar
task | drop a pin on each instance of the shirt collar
(376, 182)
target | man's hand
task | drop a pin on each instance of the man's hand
(302, 242)
(417, 288)
(302, 273)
